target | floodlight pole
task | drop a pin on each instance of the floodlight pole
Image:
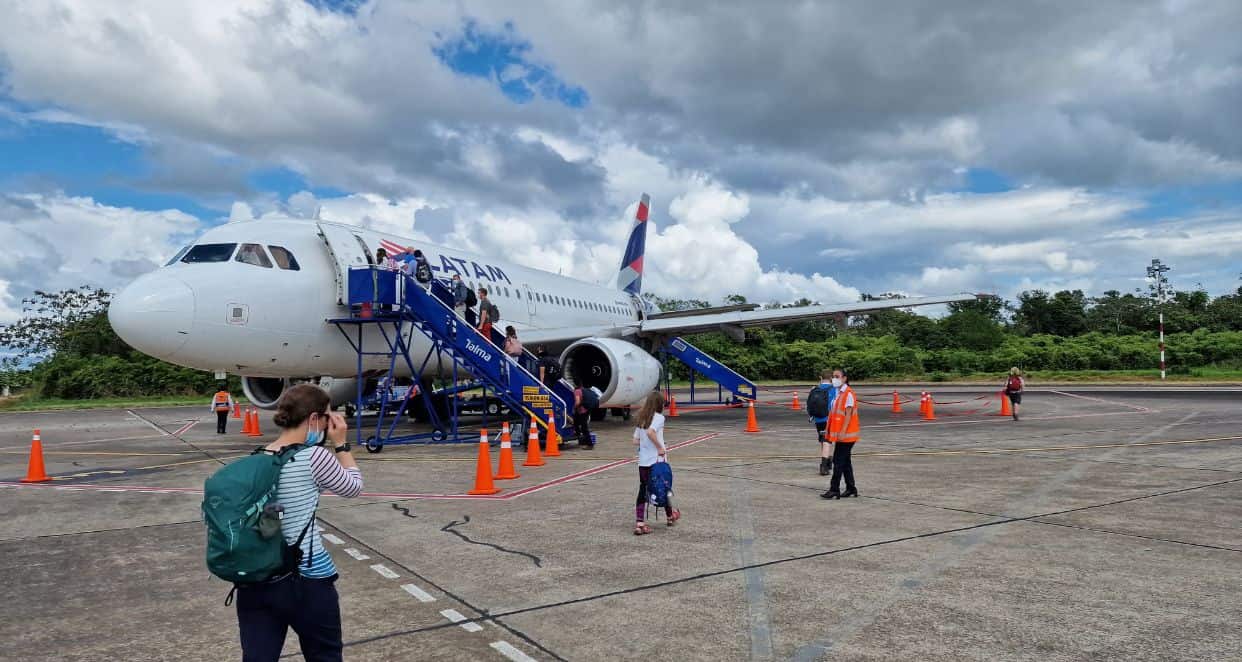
(1156, 272)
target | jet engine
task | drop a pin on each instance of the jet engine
(622, 371)
(263, 392)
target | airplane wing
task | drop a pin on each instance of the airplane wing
(732, 322)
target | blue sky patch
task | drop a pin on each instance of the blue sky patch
(983, 180)
(348, 7)
(501, 57)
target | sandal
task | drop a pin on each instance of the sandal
(641, 529)
(672, 519)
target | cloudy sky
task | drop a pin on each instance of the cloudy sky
(790, 149)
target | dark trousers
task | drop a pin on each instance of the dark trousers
(265, 612)
(582, 428)
(842, 466)
(222, 419)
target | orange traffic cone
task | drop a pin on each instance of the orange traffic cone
(483, 468)
(794, 405)
(254, 424)
(506, 471)
(752, 425)
(552, 447)
(923, 404)
(672, 406)
(533, 457)
(896, 403)
(246, 427)
(35, 473)
(930, 413)
(236, 410)
(1005, 409)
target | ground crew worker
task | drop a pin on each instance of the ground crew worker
(843, 432)
(222, 404)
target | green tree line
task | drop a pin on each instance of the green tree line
(1040, 331)
(64, 347)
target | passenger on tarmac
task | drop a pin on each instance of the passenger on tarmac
(649, 437)
(305, 600)
(843, 433)
(1013, 389)
(489, 314)
(818, 407)
(582, 415)
(222, 404)
(549, 367)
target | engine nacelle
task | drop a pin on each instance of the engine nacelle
(622, 371)
(263, 392)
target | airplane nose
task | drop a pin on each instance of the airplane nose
(154, 314)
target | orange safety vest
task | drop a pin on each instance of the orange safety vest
(836, 418)
(222, 400)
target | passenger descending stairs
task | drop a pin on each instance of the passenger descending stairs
(709, 367)
(483, 359)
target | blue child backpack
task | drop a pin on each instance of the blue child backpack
(660, 489)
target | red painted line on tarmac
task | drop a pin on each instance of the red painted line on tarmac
(390, 495)
(185, 428)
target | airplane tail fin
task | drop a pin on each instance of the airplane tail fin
(630, 278)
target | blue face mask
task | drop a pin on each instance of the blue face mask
(314, 437)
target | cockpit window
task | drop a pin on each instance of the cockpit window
(284, 259)
(209, 253)
(253, 254)
(180, 254)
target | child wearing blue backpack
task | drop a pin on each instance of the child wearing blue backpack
(649, 437)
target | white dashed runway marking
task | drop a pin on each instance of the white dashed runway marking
(418, 593)
(355, 554)
(384, 572)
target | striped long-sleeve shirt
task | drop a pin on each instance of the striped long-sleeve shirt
(311, 471)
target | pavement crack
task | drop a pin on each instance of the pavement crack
(449, 528)
(404, 511)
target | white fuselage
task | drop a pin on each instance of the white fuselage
(239, 317)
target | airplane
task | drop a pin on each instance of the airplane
(253, 298)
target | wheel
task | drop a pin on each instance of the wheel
(493, 408)
(350, 410)
(373, 445)
(625, 414)
(438, 435)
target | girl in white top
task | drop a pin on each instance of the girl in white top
(649, 437)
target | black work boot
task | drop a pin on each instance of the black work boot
(849, 492)
(831, 494)
(825, 466)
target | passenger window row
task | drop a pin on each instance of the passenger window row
(551, 299)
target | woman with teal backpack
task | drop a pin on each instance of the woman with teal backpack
(305, 599)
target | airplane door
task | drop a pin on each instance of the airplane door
(347, 250)
(530, 303)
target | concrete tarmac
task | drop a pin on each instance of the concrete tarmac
(1104, 525)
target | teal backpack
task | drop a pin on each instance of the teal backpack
(244, 540)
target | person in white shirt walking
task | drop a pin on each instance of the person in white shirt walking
(649, 437)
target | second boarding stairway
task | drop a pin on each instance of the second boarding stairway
(703, 363)
(481, 357)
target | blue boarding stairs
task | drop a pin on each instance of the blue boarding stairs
(396, 306)
(727, 380)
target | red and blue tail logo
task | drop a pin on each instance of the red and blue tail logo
(630, 279)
